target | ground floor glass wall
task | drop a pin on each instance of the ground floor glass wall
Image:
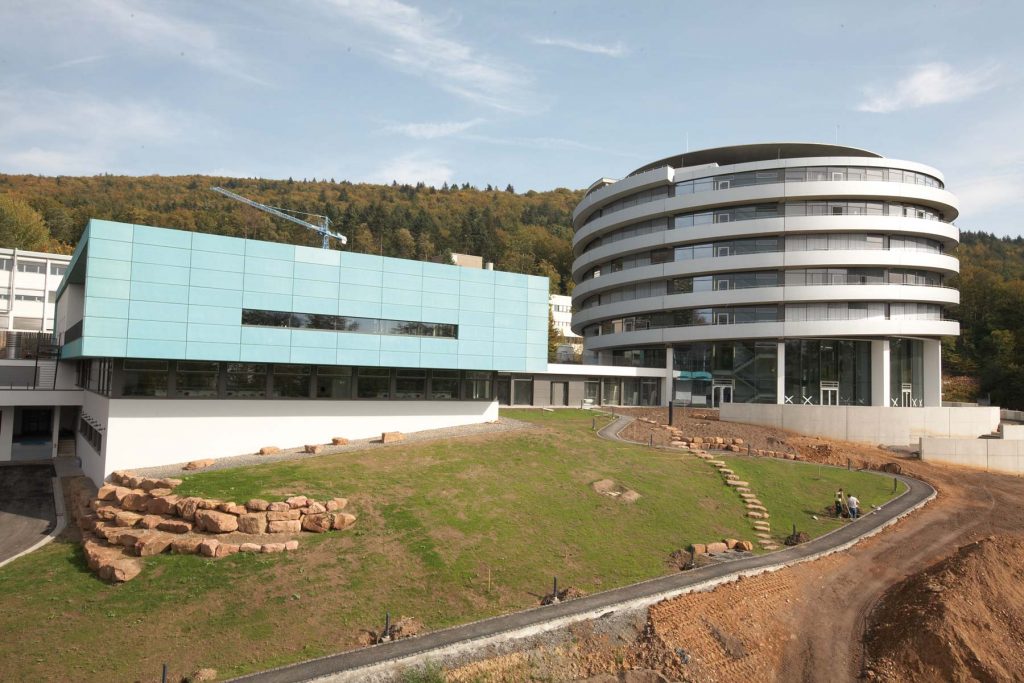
(828, 372)
(708, 373)
(906, 372)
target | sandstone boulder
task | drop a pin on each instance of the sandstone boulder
(269, 450)
(289, 526)
(249, 548)
(317, 523)
(110, 563)
(208, 548)
(744, 545)
(175, 526)
(284, 515)
(106, 492)
(198, 464)
(313, 448)
(216, 522)
(232, 508)
(164, 505)
(257, 505)
(225, 549)
(339, 441)
(169, 483)
(335, 504)
(107, 512)
(737, 442)
(187, 507)
(279, 506)
(159, 493)
(126, 519)
(392, 437)
(296, 502)
(730, 543)
(209, 503)
(121, 491)
(698, 548)
(149, 522)
(253, 523)
(186, 546)
(153, 544)
(315, 507)
(717, 547)
(147, 484)
(342, 520)
(291, 545)
(272, 548)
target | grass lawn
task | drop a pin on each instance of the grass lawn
(448, 532)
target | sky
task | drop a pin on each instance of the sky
(536, 94)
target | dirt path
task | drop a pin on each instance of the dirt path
(807, 623)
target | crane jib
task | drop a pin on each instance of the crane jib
(324, 230)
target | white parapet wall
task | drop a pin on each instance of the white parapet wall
(148, 433)
(868, 424)
(992, 455)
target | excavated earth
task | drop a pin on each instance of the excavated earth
(942, 590)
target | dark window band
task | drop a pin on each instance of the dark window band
(341, 323)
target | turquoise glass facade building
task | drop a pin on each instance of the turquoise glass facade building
(142, 292)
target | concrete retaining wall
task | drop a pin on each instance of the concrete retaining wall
(993, 455)
(868, 424)
(1011, 432)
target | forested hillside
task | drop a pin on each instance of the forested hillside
(527, 233)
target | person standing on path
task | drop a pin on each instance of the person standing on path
(839, 504)
(854, 504)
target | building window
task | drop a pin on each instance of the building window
(374, 383)
(57, 269)
(197, 378)
(31, 267)
(444, 385)
(144, 378)
(34, 298)
(5, 263)
(334, 382)
(410, 384)
(291, 381)
(338, 323)
(246, 380)
(478, 385)
(91, 434)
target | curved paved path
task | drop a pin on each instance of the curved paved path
(26, 507)
(646, 592)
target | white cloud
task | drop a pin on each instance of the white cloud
(77, 62)
(417, 43)
(188, 40)
(546, 144)
(55, 133)
(410, 169)
(430, 131)
(618, 49)
(933, 83)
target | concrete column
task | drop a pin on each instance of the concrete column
(932, 380)
(6, 432)
(668, 386)
(54, 427)
(880, 372)
(780, 374)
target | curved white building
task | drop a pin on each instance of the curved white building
(790, 273)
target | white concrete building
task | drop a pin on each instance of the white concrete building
(789, 273)
(28, 289)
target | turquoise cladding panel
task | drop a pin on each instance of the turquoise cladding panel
(159, 293)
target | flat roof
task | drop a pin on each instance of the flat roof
(762, 151)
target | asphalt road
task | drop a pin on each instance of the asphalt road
(26, 507)
(918, 492)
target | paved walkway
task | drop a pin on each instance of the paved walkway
(918, 494)
(26, 506)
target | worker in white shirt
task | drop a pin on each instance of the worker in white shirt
(854, 505)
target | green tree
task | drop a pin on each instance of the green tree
(21, 226)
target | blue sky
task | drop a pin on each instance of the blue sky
(542, 95)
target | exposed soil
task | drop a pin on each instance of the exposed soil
(961, 616)
(807, 623)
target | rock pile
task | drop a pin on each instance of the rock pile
(677, 439)
(721, 546)
(134, 517)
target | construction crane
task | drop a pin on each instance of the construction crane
(324, 228)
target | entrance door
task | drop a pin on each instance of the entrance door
(559, 393)
(721, 393)
(829, 393)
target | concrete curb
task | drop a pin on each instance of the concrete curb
(58, 527)
(381, 662)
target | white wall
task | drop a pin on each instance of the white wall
(868, 424)
(95, 407)
(993, 455)
(147, 433)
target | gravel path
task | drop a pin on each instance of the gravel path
(503, 424)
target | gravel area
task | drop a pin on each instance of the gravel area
(502, 424)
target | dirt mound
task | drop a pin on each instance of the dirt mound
(607, 487)
(960, 619)
(570, 593)
(797, 538)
